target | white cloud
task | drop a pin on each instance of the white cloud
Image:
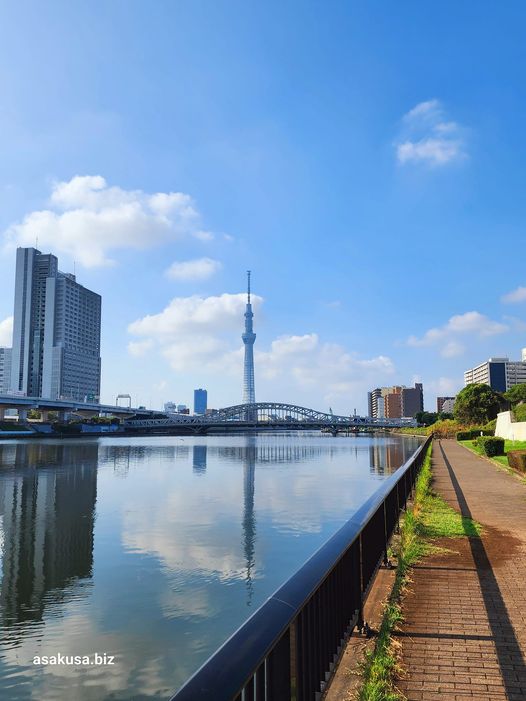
(452, 349)
(193, 316)
(200, 333)
(140, 348)
(426, 136)
(87, 219)
(518, 295)
(441, 387)
(472, 323)
(198, 269)
(6, 332)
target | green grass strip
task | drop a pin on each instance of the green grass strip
(428, 519)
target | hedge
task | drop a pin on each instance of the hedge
(517, 460)
(473, 433)
(490, 446)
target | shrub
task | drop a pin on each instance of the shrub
(445, 428)
(490, 445)
(471, 434)
(517, 460)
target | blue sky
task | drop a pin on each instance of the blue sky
(365, 160)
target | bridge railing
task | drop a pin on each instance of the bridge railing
(288, 648)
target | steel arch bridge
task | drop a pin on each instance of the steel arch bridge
(265, 415)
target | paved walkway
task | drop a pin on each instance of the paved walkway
(464, 635)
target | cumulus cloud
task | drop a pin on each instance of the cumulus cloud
(428, 137)
(472, 323)
(198, 269)
(87, 219)
(200, 333)
(140, 348)
(6, 331)
(515, 296)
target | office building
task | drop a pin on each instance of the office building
(5, 369)
(499, 373)
(56, 331)
(200, 401)
(412, 400)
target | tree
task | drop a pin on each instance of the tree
(426, 417)
(516, 394)
(477, 404)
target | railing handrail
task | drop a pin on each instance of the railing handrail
(239, 656)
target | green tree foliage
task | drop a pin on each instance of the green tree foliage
(477, 404)
(516, 394)
(426, 418)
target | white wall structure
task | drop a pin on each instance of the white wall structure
(510, 429)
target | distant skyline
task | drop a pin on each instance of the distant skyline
(365, 161)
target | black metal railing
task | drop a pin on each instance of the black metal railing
(287, 649)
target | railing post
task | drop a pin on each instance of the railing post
(278, 670)
(386, 562)
(360, 622)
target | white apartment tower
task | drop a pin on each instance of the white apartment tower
(56, 331)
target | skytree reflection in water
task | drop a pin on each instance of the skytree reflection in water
(47, 517)
(249, 517)
(248, 455)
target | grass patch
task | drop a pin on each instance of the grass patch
(439, 520)
(428, 519)
(499, 460)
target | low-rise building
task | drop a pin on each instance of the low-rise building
(441, 401)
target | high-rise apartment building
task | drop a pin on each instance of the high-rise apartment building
(56, 331)
(5, 369)
(200, 401)
(395, 402)
(499, 373)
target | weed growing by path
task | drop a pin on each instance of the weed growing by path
(428, 519)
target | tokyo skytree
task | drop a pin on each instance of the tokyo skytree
(249, 391)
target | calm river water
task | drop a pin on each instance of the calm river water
(154, 550)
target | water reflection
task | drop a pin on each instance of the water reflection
(152, 550)
(385, 458)
(199, 459)
(249, 518)
(47, 526)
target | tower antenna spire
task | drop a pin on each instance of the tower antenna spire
(249, 395)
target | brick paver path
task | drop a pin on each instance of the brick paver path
(464, 635)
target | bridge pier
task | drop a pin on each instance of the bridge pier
(2, 413)
(22, 415)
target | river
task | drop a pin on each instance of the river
(152, 551)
